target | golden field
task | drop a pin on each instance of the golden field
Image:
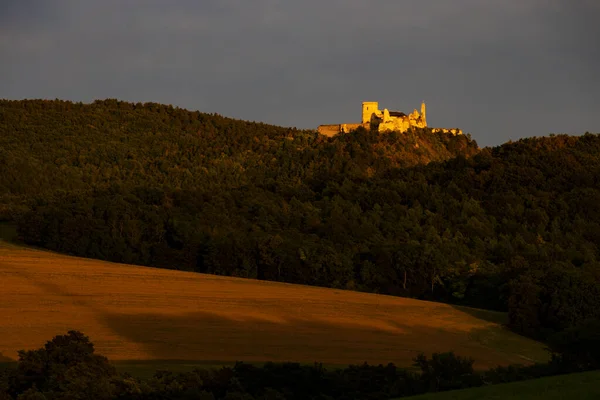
(140, 313)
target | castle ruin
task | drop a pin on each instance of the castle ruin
(385, 121)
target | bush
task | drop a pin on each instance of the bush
(579, 346)
(447, 371)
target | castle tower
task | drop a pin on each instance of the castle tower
(423, 113)
(368, 109)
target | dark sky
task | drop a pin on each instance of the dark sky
(498, 69)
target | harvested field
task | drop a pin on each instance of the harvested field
(140, 313)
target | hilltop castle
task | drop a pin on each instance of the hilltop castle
(374, 118)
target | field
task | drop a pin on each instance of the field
(147, 316)
(583, 386)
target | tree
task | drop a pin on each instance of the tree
(32, 394)
(524, 306)
(579, 346)
(446, 371)
(67, 365)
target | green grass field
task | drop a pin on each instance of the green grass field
(583, 386)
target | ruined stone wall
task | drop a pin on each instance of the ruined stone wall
(332, 130)
(393, 124)
(399, 121)
(346, 128)
(453, 132)
(329, 130)
(384, 121)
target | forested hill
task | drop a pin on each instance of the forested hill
(514, 227)
(56, 146)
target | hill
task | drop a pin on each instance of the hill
(582, 386)
(49, 147)
(140, 313)
(429, 216)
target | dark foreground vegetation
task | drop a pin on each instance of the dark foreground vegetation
(513, 228)
(67, 368)
(580, 386)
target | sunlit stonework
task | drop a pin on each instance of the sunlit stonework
(384, 121)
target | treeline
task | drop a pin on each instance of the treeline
(67, 367)
(424, 215)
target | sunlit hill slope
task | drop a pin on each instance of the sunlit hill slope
(140, 313)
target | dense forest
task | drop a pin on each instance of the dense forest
(430, 216)
(67, 368)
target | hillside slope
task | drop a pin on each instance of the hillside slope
(56, 146)
(152, 314)
(513, 228)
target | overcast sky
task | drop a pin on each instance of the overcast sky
(498, 69)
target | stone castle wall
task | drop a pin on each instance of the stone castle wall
(385, 121)
(368, 109)
(332, 130)
(445, 130)
(329, 130)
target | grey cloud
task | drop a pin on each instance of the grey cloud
(500, 70)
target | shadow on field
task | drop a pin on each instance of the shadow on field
(204, 335)
(233, 330)
(208, 336)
